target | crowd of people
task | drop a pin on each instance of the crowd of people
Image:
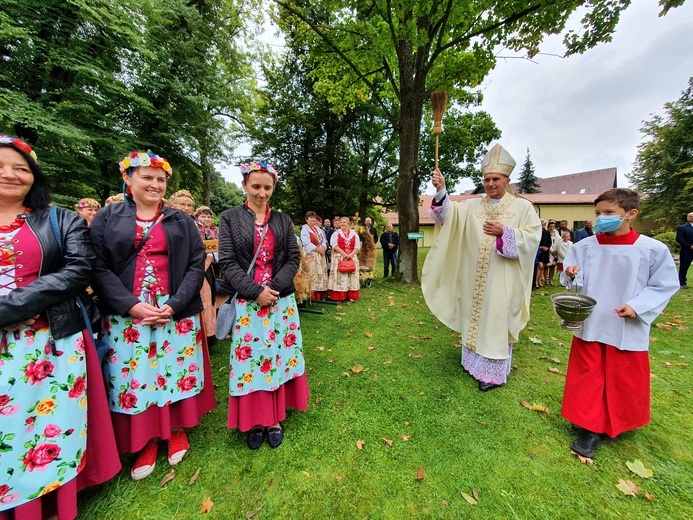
(138, 279)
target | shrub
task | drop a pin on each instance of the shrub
(669, 239)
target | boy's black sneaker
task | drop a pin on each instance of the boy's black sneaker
(586, 443)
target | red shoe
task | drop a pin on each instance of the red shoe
(178, 447)
(146, 461)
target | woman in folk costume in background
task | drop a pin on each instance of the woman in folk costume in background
(87, 208)
(267, 366)
(114, 199)
(204, 218)
(315, 245)
(149, 272)
(477, 277)
(182, 200)
(55, 438)
(345, 246)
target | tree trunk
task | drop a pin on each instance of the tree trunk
(408, 184)
(206, 175)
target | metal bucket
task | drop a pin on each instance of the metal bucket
(572, 308)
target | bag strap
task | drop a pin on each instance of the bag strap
(252, 263)
(53, 212)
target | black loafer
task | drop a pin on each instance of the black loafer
(275, 436)
(255, 438)
(586, 443)
(485, 387)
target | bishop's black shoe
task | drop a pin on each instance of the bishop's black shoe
(586, 443)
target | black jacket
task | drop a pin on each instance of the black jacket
(113, 233)
(61, 278)
(389, 237)
(684, 236)
(236, 249)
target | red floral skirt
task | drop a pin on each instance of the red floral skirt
(266, 408)
(102, 461)
(133, 432)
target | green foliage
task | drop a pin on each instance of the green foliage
(664, 165)
(529, 182)
(85, 82)
(669, 240)
(224, 195)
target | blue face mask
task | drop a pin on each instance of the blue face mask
(607, 223)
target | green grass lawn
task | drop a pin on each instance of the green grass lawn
(412, 391)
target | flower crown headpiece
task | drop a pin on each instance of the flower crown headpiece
(87, 203)
(258, 167)
(181, 194)
(114, 199)
(20, 145)
(203, 209)
(137, 159)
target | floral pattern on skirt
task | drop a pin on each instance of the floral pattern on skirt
(317, 266)
(152, 366)
(344, 282)
(266, 346)
(43, 410)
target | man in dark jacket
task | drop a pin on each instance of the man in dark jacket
(390, 242)
(684, 236)
(584, 232)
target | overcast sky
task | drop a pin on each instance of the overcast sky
(584, 112)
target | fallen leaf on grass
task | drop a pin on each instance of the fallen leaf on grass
(388, 442)
(654, 376)
(627, 487)
(207, 505)
(375, 375)
(553, 339)
(420, 474)
(560, 344)
(475, 492)
(359, 444)
(194, 477)
(536, 407)
(387, 362)
(416, 356)
(639, 468)
(584, 460)
(534, 340)
(357, 369)
(168, 478)
(470, 499)
(556, 360)
(649, 496)
(346, 374)
(407, 423)
(369, 334)
(371, 347)
(406, 437)
(553, 370)
(446, 503)
(306, 474)
(251, 514)
(320, 348)
(339, 478)
(390, 301)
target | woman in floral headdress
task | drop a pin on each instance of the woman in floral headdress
(267, 366)
(182, 200)
(149, 272)
(114, 199)
(208, 231)
(54, 440)
(87, 208)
